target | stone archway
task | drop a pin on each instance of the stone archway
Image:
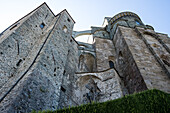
(87, 88)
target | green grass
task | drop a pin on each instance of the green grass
(150, 101)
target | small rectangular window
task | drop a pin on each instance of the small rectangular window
(111, 64)
(63, 89)
(42, 25)
(68, 19)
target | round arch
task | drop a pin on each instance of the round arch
(82, 80)
(86, 62)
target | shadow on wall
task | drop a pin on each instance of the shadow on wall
(88, 89)
(86, 63)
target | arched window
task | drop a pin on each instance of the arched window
(111, 64)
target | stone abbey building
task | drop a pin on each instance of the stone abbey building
(42, 66)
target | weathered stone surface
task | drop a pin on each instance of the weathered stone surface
(108, 86)
(125, 63)
(43, 67)
(105, 52)
(150, 69)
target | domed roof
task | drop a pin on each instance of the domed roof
(122, 14)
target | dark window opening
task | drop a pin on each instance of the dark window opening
(42, 25)
(111, 64)
(54, 69)
(70, 40)
(63, 89)
(46, 16)
(44, 65)
(68, 19)
(120, 54)
(64, 72)
(19, 62)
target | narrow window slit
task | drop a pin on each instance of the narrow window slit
(63, 89)
(64, 72)
(19, 62)
(54, 69)
(68, 19)
(111, 64)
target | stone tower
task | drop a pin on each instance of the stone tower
(42, 66)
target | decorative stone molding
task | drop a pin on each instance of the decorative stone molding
(122, 14)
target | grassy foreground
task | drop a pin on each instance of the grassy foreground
(150, 101)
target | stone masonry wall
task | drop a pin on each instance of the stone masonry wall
(108, 86)
(105, 52)
(125, 63)
(71, 66)
(41, 86)
(151, 71)
(87, 58)
(42, 67)
(164, 38)
(128, 21)
(17, 45)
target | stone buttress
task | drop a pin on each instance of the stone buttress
(43, 67)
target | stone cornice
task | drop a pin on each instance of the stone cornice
(123, 14)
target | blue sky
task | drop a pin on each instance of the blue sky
(88, 13)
